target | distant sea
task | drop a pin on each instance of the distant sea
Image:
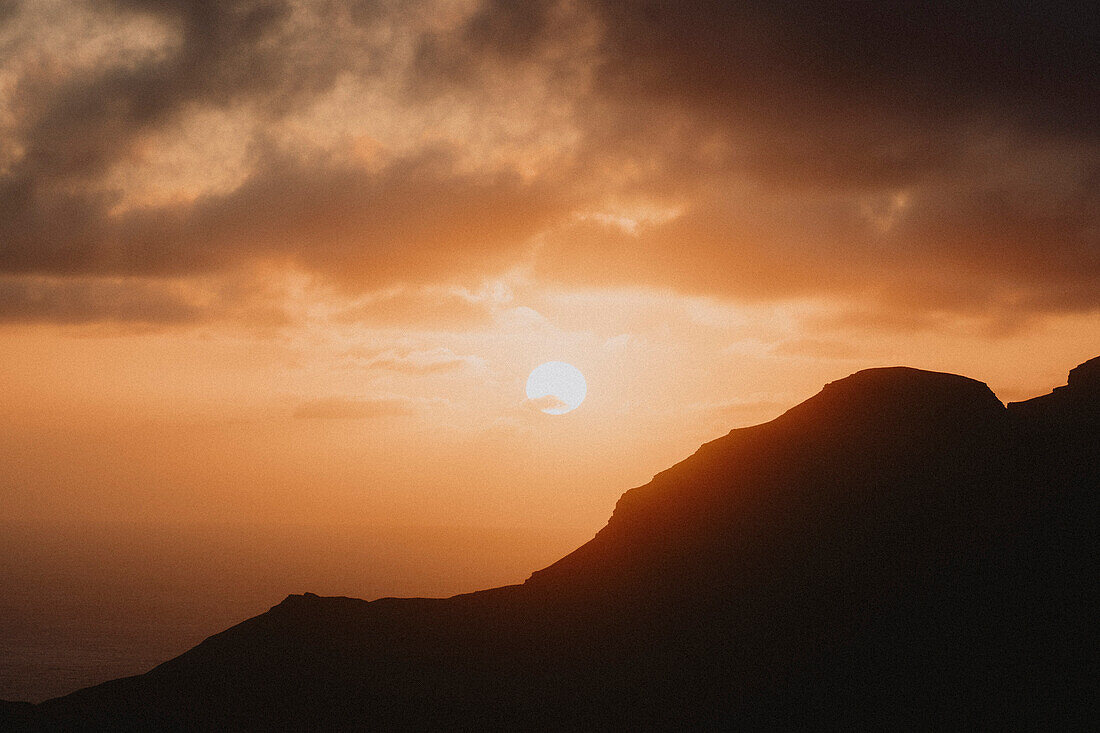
(83, 603)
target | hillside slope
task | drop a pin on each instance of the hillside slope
(899, 550)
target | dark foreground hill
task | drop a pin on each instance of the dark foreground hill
(899, 551)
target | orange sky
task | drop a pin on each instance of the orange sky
(293, 262)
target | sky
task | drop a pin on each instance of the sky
(292, 262)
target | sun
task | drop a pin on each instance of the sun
(556, 387)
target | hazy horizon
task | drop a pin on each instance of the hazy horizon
(86, 602)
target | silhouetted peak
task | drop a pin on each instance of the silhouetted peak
(1076, 402)
(899, 395)
(296, 599)
(876, 427)
(296, 602)
(1086, 377)
(888, 383)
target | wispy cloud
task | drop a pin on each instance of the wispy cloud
(430, 361)
(359, 408)
(546, 402)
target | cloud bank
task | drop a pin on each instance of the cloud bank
(902, 157)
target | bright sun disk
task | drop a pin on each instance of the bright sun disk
(560, 387)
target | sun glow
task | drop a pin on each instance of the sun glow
(556, 387)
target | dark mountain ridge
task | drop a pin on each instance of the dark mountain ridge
(901, 550)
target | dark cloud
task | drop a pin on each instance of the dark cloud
(8, 9)
(414, 220)
(151, 303)
(789, 130)
(904, 155)
(84, 301)
(969, 249)
(858, 92)
(790, 64)
(53, 216)
(495, 39)
(227, 53)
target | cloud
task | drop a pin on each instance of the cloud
(352, 408)
(415, 216)
(152, 303)
(877, 91)
(546, 402)
(430, 361)
(901, 158)
(422, 307)
(8, 9)
(911, 157)
(415, 220)
(78, 123)
(963, 251)
(83, 301)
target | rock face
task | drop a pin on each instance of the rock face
(900, 550)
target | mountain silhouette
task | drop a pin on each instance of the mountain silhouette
(901, 550)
